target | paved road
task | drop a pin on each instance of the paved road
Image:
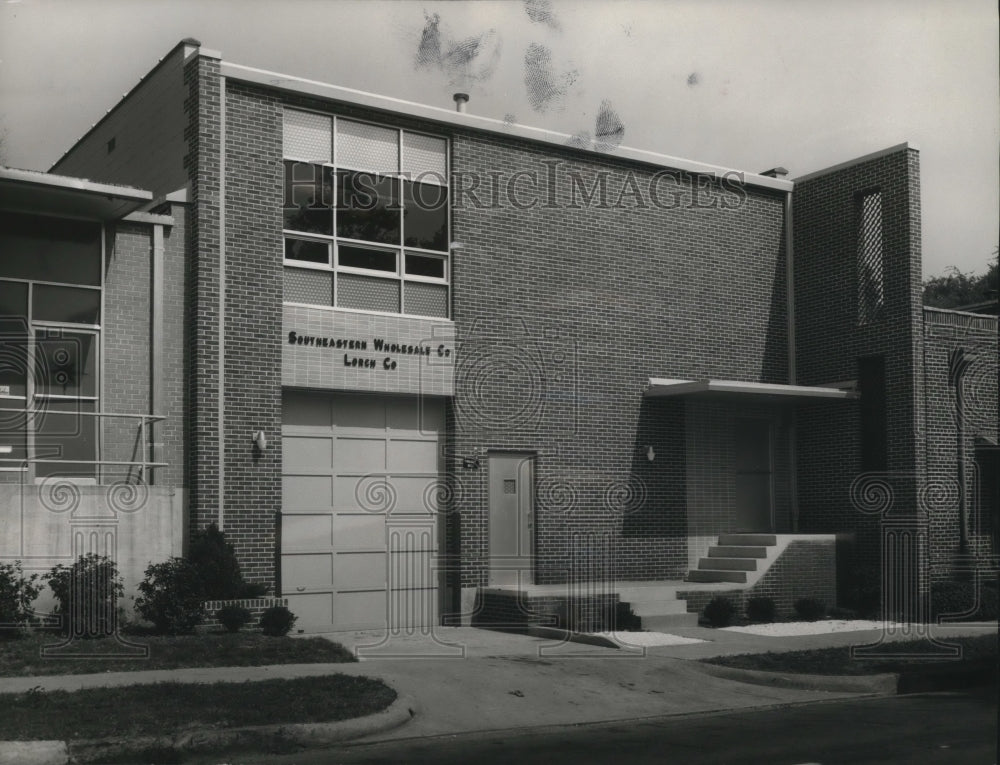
(936, 729)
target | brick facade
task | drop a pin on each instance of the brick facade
(830, 342)
(581, 275)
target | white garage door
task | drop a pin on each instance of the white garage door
(360, 531)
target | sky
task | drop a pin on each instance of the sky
(746, 84)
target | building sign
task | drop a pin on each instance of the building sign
(355, 351)
(377, 344)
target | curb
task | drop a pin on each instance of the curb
(299, 735)
(928, 678)
(885, 684)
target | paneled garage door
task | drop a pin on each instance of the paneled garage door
(360, 531)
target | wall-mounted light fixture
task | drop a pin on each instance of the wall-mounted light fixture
(260, 440)
(650, 453)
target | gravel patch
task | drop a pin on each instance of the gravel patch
(823, 627)
(647, 639)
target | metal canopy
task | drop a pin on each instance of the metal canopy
(734, 389)
(40, 193)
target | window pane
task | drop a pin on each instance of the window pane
(426, 299)
(13, 361)
(361, 146)
(307, 251)
(425, 216)
(424, 265)
(425, 155)
(307, 136)
(368, 208)
(50, 249)
(368, 293)
(360, 257)
(308, 286)
(64, 432)
(13, 299)
(71, 304)
(308, 202)
(65, 363)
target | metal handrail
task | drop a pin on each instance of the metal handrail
(146, 417)
(145, 420)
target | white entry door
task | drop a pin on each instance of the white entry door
(360, 528)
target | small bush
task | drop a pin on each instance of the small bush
(842, 613)
(171, 597)
(954, 598)
(215, 560)
(233, 618)
(810, 609)
(719, 612)
(625, 619)
(863, 590)
(17, 593)
(761, 609)
(277, 621)
(87, 593)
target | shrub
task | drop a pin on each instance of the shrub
(863, 590)
(810, 609)
(761, 609)
(87, 593)
(215, 560)
(955, 598)
(17, 592)
(625, 618)
(171, 597)
(233, 618)
(277, 621)
(842, 613)
(719, 612)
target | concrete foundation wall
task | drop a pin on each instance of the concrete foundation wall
(55, 522)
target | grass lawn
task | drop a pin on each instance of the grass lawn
(838, 661)
(165, 708)
(23, 656)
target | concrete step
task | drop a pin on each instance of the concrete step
(748, 539)
(636, 593)
(708, 575)
(737, 551)
(729, 564)
(665, 623)
(646, 608)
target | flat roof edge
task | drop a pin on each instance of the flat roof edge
(906, 145)
(52, 180)
(438, 114)
(657, 386)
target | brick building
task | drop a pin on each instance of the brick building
(419, 364)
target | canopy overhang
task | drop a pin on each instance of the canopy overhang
(734, 389)
(40, 193)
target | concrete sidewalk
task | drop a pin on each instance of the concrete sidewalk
(463, 680)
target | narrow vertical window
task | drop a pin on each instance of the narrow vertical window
(871, 284)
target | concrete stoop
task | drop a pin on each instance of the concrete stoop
(735, 558)
(657, 606)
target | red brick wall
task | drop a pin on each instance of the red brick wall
(830, 342)
(565, 313)
(126, 339)
(977, 335)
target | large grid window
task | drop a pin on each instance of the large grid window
(50, 317)
(365, 216)
(871, 283)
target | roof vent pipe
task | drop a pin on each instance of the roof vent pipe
(461, 99)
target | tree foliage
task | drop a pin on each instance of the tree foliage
(955, 288)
